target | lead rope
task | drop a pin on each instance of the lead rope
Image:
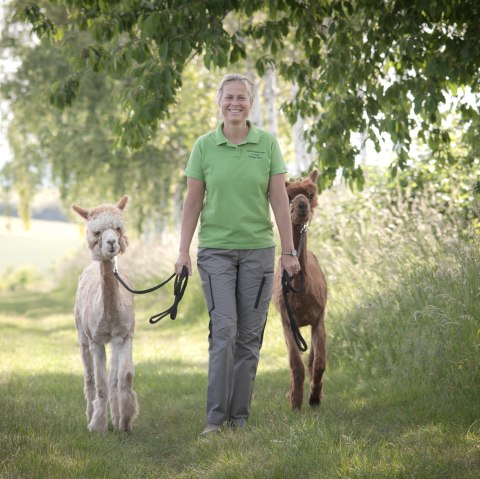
(179, 287)
(287, 287)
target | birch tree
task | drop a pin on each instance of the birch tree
(269, 99)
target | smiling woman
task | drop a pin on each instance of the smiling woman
(234, 174)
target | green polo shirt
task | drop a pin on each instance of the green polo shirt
(236, 212)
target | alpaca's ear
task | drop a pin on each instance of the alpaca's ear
(313, 176)
(122, 203)
(81, 211)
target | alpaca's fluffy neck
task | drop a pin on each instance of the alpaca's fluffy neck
(109, 287)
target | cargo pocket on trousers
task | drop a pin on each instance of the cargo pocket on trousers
(264, 293)
(207, 289)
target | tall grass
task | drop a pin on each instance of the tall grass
(404, 291)
(401, 386)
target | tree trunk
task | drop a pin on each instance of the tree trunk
(302, 157)
(269, 97)
(256, 114)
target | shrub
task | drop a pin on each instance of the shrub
(19, 279)
(403, 287)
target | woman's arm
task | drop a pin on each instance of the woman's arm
(191, 211)
(281, 209)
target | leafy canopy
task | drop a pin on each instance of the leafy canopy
(375, 67)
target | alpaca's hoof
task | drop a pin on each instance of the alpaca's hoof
(314, 401)
(98, 426)
(126, 427)
(295, 402)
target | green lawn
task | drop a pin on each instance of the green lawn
(367, 427)
(401, 388)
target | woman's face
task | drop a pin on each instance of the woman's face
(235, 102)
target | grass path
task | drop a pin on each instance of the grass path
(366, 427)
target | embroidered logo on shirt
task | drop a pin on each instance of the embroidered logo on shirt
(255, 155)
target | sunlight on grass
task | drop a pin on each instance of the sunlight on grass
(44, 345)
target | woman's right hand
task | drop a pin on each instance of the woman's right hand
(183, 260)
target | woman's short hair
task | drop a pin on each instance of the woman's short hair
(235, 77)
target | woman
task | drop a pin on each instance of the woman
(233, 173)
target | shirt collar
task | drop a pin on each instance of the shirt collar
(253, 135)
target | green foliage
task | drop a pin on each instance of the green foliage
(447, 188)
(369, 67)
(76, 148)
(405, 286)
(20, 279)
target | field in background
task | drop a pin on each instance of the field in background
(41, 247)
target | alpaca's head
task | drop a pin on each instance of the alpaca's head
(105, 229)
(303, 198)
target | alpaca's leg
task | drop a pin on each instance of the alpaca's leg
(99, 420)
(113, 381)
(88, 378)
(128, 404)
(317, 362)
(297, 368)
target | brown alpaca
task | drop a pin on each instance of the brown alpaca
(309, 303)
(104, 314)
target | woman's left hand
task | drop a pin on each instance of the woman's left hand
(290, 264)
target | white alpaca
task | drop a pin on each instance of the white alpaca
(104, 313)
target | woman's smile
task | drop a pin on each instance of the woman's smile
(235, 103)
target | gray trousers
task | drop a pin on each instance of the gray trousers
(237, 285)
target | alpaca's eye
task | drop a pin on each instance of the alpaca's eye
(97, 233)
(311, 196)
(119, 230)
